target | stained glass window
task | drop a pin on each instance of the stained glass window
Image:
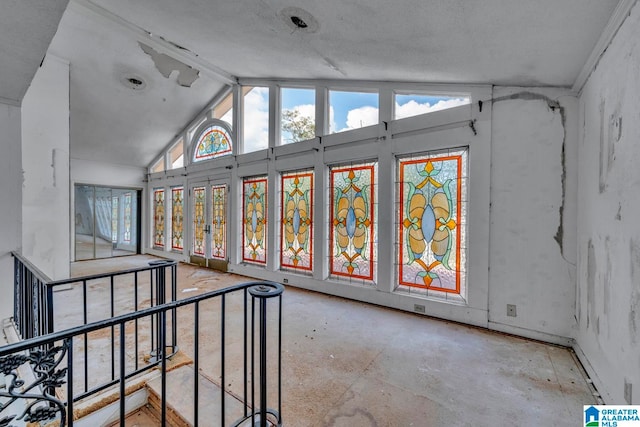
(177, 204)
(199, 220)
(297, 220)
(352, 222)
(214, 141)
(432, 221)
(114, 219)
(254, 214)
(158, 217)
(127, 217)
(219, 222)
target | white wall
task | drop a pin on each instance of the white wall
(533, 207)
(110, 175)
(608, 283)
(45, 160)
(11, 206)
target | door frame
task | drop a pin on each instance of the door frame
(208, 261)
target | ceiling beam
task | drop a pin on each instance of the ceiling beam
(620, 13)
(158, 43)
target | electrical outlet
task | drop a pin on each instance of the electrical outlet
(511, 310)
(627, 392)
(285, 280)
(418, 308)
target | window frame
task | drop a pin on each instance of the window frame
(310, 215)
(279, 141)
(193, 145)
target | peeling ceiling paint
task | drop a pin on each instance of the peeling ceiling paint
(166, 65)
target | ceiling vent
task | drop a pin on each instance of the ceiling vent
(133, 81)
(299, 19)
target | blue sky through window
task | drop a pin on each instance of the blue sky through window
(292, 98)
(352, 110)
(301, 100)
(408, 105)
(347, 110)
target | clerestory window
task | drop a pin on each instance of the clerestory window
(213, 140)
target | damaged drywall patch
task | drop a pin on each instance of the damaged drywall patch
(634, 308)
(529, 96)
(634, 301)
(53, 167)
(553, 106)
(610, 135)
(166, 65)
(634, 250)
(607, 283)
(591, 282)
(563, 179)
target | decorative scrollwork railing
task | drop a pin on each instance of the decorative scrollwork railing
(39, 392)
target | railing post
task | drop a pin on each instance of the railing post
(49, 308)
(161, 281)
(35, 307)
(262, 292)
(17, 270)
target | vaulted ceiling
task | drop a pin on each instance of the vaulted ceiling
(504, 42)
(26, 29)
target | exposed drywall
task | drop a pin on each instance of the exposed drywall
(167, 65)
(608, 283)
(11, 206)
(45, 160)
(533, 200)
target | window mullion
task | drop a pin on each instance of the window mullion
(386, 217)
(238, 119)
(320, 216)
(322, 111)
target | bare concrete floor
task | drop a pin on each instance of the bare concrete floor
(347, 363)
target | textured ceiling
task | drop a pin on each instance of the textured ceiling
(26, 29)
(506, 42)
(503, 42)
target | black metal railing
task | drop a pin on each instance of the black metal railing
(34, 310)
(41, 307)
(50, 394)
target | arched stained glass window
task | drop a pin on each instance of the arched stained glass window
(214, 140)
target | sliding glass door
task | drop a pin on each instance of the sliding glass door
(106, 222)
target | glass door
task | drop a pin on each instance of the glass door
(209, 224)
(106, 222)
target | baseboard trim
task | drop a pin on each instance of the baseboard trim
(599, 386)
(531, 334)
